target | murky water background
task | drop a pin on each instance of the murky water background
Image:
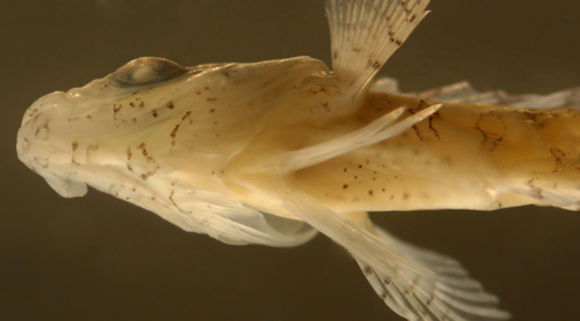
(98, 258)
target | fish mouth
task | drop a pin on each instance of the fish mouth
(35, 146)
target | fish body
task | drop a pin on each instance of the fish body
(272, 152)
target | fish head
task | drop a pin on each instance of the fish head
(58, 127)
(175, 118)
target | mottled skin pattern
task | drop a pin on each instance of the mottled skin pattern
(203, 150)
(463, 156)
(272, 152)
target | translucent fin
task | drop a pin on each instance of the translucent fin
(450, 295)
(464, 93)
(415, 283)
(357, 240)
(374, 132)
(226, 219)
(365, 33)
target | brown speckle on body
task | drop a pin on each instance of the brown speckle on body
(75, 146)
(490, 139)
(129, 153)
(558, 155)
(537, 191)
(149, 159)
(367, 271)
(116, 108)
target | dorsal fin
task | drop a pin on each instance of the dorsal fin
(365, 33)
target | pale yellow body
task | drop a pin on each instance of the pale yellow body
(464, 156)
(271, 152)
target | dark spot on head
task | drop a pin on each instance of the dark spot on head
(187, 114)
(344, 170)
(170, 104)
(371, 192)
(345, 186)
(154, 112)
(211, 99)
(359, 166)
(173, 133)
(212, 110)
(355, 177)
(75, 145)
(406, 196)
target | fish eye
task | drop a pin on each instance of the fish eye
(147, 70)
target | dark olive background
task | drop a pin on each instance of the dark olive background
(98, 258)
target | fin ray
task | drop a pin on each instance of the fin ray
(378, 130)
(403, 277)
(365, 33)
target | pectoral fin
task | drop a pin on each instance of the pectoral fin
(415, 283)
(365, 33)
(376, 131)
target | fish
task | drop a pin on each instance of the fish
(274, 152)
